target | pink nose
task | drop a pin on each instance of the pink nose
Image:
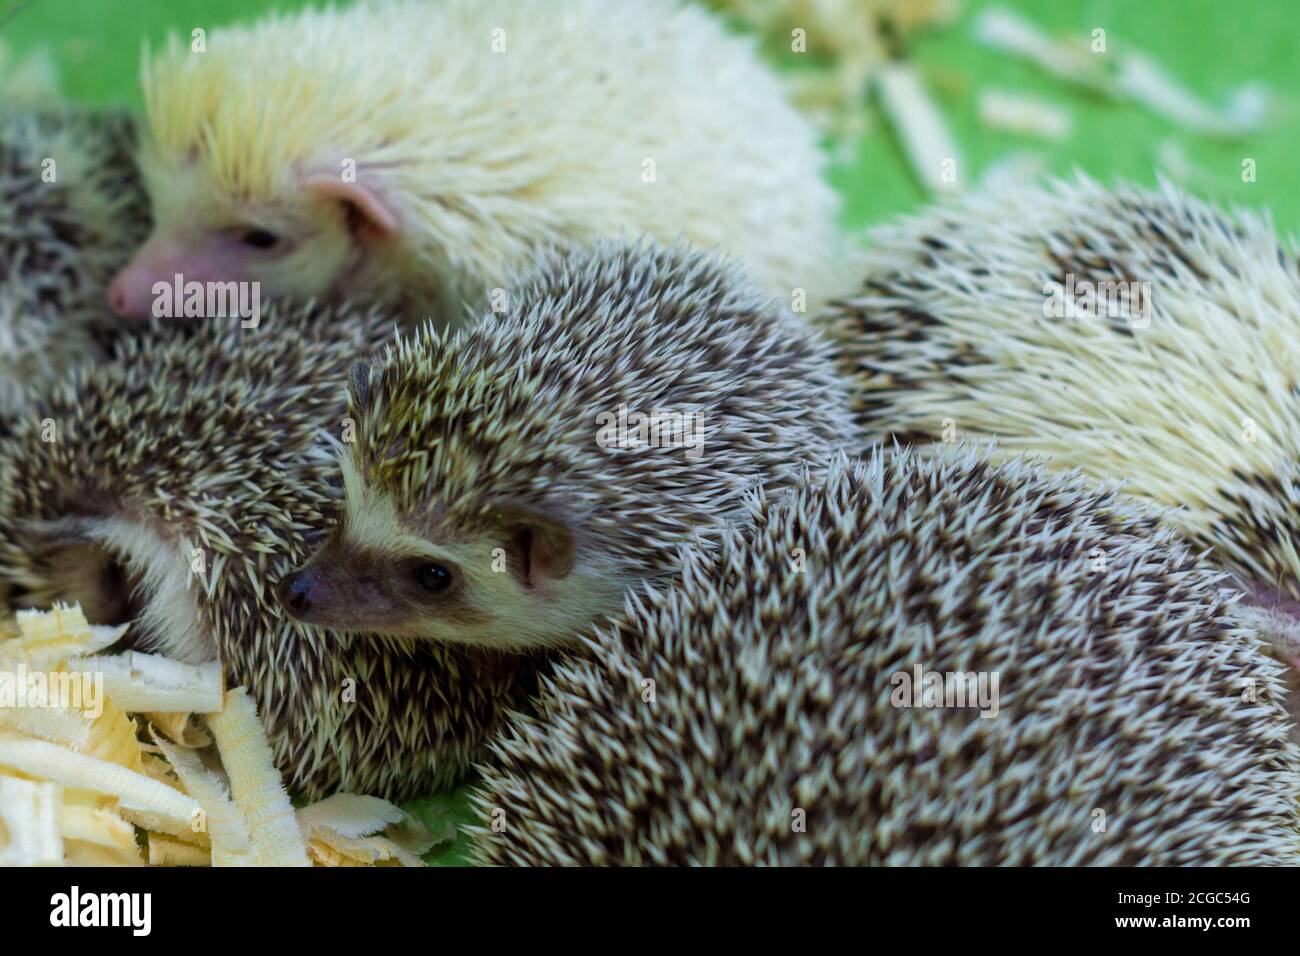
(122, 298)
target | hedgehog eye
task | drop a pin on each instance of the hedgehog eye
(260, 239)
(433, 577)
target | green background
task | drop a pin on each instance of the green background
(1210, 45)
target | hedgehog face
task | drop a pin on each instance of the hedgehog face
(512, 580)
(410, 588)
(315, 238)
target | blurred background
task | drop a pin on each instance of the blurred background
(1209, 49)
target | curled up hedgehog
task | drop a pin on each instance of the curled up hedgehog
(477, 504)
(71, 210)
(415, 150)
(1137, 335)
(177, 485)
(912, 661)
(493, 495)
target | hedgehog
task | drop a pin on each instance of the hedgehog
(911, 661)
(174, 486)
(511, 480)
(1136, 334)
(411, 153)
(72, 208)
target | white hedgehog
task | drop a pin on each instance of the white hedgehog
(1137, 335)
(766, 711)
(401, 149)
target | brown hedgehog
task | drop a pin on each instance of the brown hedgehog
(510, 482)
(178, 485)
(915, 661)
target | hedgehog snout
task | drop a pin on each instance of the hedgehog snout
(170, 260)
(295, 593)
(130, 295)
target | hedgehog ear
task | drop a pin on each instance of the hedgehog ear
(540, 549)
(372, 217)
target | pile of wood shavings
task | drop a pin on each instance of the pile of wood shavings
(860, 46)
(131, 759)
(850, 42)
